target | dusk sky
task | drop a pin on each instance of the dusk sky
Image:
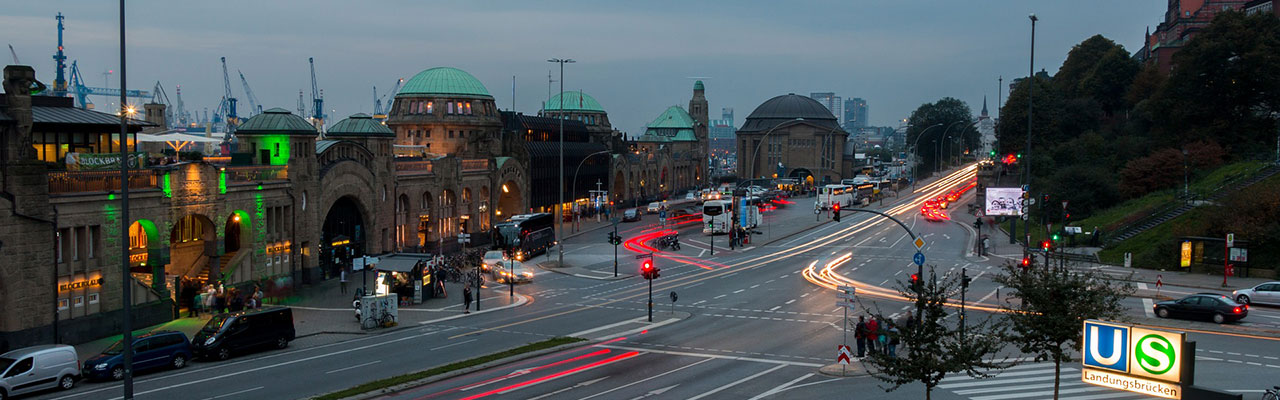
(636, 58)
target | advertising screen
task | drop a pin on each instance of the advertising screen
(1003, 201)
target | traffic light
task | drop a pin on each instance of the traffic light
(836, 209)
(648, 271)
(1026, 262)
(614, 239)
(1046, 245)
(915, 281)
(1056, 237)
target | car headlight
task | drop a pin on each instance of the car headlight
(209, 341)
(528, 274)
(100, 367)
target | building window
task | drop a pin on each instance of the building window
(63, 304)
(468, 108)
(450, 107)
(430, 107)
(451, 134)
(93, 298)
(79, 301)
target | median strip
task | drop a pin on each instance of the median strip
(386, 383)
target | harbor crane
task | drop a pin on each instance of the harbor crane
(81, 92)
(317, 99)
(380, 113)
(254, 107)
(226, 112)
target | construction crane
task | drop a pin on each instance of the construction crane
(227, 107)
(81, 92)
(379, 113)
(317, 100)
(160, 97)
(60, 81)
(180, 110)
(254, 107)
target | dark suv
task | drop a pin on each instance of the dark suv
(1210, 306)
(238, 332)
(160, 349)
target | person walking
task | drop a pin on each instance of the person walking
(257, 296)
(893, 341)
(342, 281)
(860, 335)
(883, 336)
(466, 299)
(872, 334)
(221, 301)
(210, 299)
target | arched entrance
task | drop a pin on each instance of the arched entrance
(483, 208)
(191, 244)
(799, 173)
(144, 246)
(235, 231)
(510, 201)
(619, 187)
(342, 236)
(424, 220)
(402, 221)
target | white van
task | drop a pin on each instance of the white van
(37, 368)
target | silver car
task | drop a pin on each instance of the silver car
(37, 368)
(1266, 293)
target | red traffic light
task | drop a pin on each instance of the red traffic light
(836, 207)
(1026, 261)
(1046, 245)
(647, 266)
(915, 278)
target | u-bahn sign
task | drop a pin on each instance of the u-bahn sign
(1133, 358)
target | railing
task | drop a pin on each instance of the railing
(99, 181)
(257, 173)
(419, 167)
(475, 165)
(218, 160)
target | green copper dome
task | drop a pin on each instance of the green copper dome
(443, 80)
(674, 125)
(359, 125)
(698, 85)
(276, 121)
(573, 101)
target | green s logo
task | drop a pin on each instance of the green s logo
(1155, 354)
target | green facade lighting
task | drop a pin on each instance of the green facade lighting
(166, 185)
(278, 146)
(222, 181)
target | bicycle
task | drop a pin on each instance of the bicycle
(1272, 394)
(383, 319)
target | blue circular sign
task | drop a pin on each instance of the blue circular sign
(919, 259)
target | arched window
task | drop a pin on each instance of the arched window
(402, 221)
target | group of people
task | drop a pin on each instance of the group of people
(877, 335)
(216, 299)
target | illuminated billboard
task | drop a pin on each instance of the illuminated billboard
(1133, 358)
(1003, 201)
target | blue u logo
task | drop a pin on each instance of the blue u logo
(1106, 346)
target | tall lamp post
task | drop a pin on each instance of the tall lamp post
(913, 153)
(560, 205)
(125, 284)
(756, 152)
(575, 173)
(946, 134)
(1031, 85)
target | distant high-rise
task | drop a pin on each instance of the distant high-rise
(722, 129)
(831, 101)
(855, 114)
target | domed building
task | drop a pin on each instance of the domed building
(792, 136)
(444, 110)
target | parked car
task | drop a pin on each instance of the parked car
(237, 332)
(36, 368)
(490, 259)
(1266, 293)
(158, 349)
(1211, 306)
(654, 207)
(522, 273)
(631, 214)
(690, 196)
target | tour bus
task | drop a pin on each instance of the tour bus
(836, 194)
(749, 218)
(526, 235)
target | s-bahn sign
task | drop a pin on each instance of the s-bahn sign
(1133, 358)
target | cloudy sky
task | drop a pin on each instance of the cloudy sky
(636, 58)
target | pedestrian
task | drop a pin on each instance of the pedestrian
(466, 299)
(221, 302)
(257, 296)
(189, 296)
(893, 341)
(343, 281)
(883, 337)
(872, 328)
(860, 334)
(210, 299)
(236, 302)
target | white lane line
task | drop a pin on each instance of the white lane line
(601, 328)
(645, 379)
(737, 382)
(801, 295)
(455, 344)
(1148, 307)
(788, 302)
(894, 274)
(234, 393)
(734, 292)
(712, 355)
(775, 308)
(993, 293)
(355, 366)
(711, 299)
(1141, 286)
(696, 303)
(752, 287)
(700, 253)
(781, 387)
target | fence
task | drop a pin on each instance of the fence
(99, 181)
(257, 173)
(409, 168)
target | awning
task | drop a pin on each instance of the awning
(176, 140)
(396, 264)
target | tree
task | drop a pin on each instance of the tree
(933, 347)
(1081, 62)
(1012, 130)
(1051, 306)
(946, 112)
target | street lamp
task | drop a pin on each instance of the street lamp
(913, 154)
(575, 175)
(1026, 167)
(756, 153)
(560, 205)
(944, 137)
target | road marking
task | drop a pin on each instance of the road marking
(355, 366)
(234, 393)
(790, 301)
(1142, 286)
(781, 387)
(717, 297)
(775, 308)
(601, 328)
(993, 293)
(643, 380)
(737, 382)
(455, 344)
(801, 295)
(697, 303)
(1149, 308)
(712, 355)
(582, 384)
(523, 299)
(754, 286)
(738, 291)
(700, 253)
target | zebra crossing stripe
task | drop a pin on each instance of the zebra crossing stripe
(1000, 376)
(1030, 381)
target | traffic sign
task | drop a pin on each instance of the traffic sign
(1025, 203)
(816, 211)
(1026, 188)
(674, 297)
(918, 258)
(843, 295)
(1231, 239)
(844, 355)
(643, 256)
(1026, 217)
(1032, 200)
(847, 289)
(919, 243)
(847, 304)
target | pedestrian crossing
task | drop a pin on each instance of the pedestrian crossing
(1031, 381)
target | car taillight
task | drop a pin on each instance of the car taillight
(1237, 310)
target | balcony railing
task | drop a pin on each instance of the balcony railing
(417, 167)
(475, 165)
(218, 160)
(99, 181)
(257, 173)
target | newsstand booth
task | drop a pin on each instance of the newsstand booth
(404, 274)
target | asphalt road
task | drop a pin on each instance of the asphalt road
(754, 323)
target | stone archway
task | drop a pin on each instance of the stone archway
(510, 201)
(192, 242)
(619, 186)
(800, 173)
(402, 222)
(343, 235)
(145, 245)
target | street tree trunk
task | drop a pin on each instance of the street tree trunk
(1057, 379)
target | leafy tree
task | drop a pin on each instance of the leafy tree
(933, 348)
(1162, 169)
(1011, 132)
(1223, 85)
(1051, 306)
(947, 112)
(1081, 62)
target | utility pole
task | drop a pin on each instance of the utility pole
(1031, 85)
(126, 280)
(560, 205)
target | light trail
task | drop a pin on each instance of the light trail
(570, 371)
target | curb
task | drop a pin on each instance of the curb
(585, 231)
(606, 278)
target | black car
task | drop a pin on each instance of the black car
(241, 331)
(1210, 306)
(161, 349)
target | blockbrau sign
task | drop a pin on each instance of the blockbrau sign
(1133, 358)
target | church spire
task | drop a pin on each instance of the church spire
(984, 106)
